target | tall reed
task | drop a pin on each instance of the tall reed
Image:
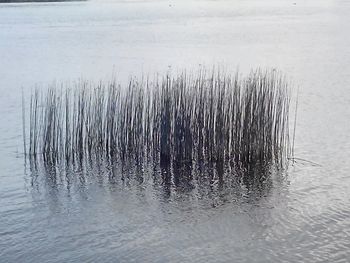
(213, 117)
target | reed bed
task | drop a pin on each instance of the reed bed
(179, 119)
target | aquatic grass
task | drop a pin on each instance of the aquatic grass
(180, 119)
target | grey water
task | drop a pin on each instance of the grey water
(136, 213)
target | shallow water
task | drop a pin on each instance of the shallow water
(149, 214)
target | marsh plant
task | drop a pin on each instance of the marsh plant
(179, 119)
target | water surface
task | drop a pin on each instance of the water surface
(149, 214)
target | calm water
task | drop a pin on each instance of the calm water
(150, 214)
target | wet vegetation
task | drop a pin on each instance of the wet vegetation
(178, 120)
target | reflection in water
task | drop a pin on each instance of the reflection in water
(214, 182)
(142, 209)
(148, 212)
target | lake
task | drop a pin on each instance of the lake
(146, 213)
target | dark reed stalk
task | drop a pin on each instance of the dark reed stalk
(180, 119)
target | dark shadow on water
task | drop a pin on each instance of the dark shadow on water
(209, 183)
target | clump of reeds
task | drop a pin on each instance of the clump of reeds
(213, 117)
